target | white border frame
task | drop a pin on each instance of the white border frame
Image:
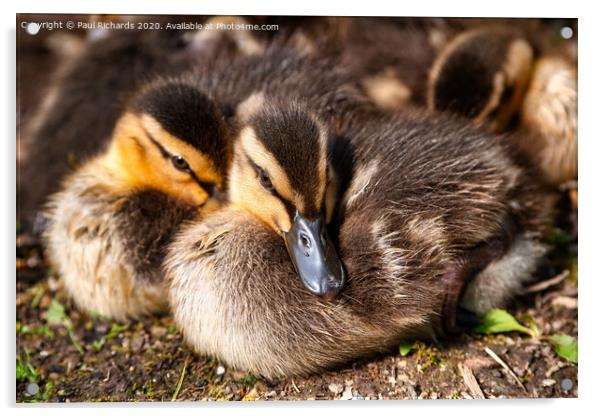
(590, 72)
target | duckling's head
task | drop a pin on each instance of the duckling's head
(482, 74)
(280, 173)
(172, 138)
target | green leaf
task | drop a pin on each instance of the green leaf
(26, 371)
(46, 331)
(497, 321)
(97, 345)
(565, 346)
(405, 348)
(74, 340)
(21, 371)
(56, 312)
(116, 329)
(38, 297)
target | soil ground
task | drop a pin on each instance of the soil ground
(89, 358)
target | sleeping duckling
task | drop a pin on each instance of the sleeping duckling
(76, 119)
(110, 223)
(501, 73)
(514, 77)
(290, 191)
(388, 57)
(482, 74)
(115, 215)
(431, 204)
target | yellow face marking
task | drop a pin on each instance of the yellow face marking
(138, 163)
(263, 158)
(247, 192)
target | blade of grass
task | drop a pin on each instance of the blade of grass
(38, 297)
(74, 339)
(181, 380)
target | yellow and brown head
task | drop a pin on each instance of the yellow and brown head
(280, 173)
(173, 138)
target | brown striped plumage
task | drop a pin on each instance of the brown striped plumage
(431, 207)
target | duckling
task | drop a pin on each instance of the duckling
(411, 62)
(169, 152)
(510, 78)
(290, 191)
(91, 92)
(113, 217)
(388, 57)
(432, 206)
(504, 74)
(549, 115)
(482, 74)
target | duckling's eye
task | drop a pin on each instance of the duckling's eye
(305, 240)
(265, 180)
(180, 163)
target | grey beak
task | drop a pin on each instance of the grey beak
(315, 257)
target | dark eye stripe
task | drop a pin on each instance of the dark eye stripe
(163, 150)
(290, 208)
(209, 187)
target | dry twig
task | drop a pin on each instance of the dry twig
(540, 286)
(295, 386)
(471, 381)
(506, 367)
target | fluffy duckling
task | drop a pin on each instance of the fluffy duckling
(79, 112)
(515, 77)
(482, 74)
(549, 115)
(171, 148)
(388, 57)
(291, 192)
(110, 223)
(501, 73)
(433, 209)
